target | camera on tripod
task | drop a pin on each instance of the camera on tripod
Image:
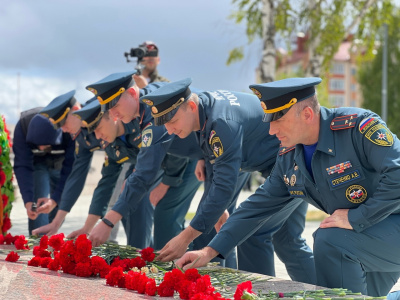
(147, 49)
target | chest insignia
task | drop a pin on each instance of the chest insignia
(117, 153)
(147, 137)
(339, 168)
(293, 180)
(344, 122)
(356, 194)
(376, 132)
(285, 179)
(88, 143)
(216, 146)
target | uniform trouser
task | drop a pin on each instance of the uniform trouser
(114, 198)
(366, 262)
(170, 212)
(138, 222)
(200, 242)
(45, 182)
(256, 254)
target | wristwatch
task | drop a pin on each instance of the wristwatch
(108, 222)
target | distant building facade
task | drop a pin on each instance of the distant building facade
(341, 80)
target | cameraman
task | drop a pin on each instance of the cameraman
(149, 64)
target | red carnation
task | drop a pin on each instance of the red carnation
(2, 177)
(151, 287)
(8, 239)
(165, 289)
(1, 239)
(148, 254)
(244, 286)
(83, 269)
(98, 264)
(54, 265)
(12, 256)
(6, 223)
(44, 242)
(5, 200)
(56, 241)
(192, 274)
(34, 262)
(20, 243)
(45, 261)
(114, 276)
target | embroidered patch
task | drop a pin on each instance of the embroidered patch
(257, 93)
(356, 194)
(216, 146)
(366, 123)
(94, 149)
(76, 147)
(147, 137)
(212, 133)
(285, 179)
(106, 162)
(284, 150)
(122, 160)
(297, 193)
(379, 135)
(346, 178)
(344, 122)
(339, 168)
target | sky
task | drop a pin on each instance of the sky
(53, 47)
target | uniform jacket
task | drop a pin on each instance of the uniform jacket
(85, 144)
(27, 154)
(233, 138)
(356, 166)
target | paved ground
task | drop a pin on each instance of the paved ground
(78, 215)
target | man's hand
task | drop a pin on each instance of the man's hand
(339, 219)
(158, 193)
(53, 227)
(177, 246)
(200, 170)
(99, 234)
(31, 214)
(45, 205)
(102, 231)
(221, 221)
(195, 259)
(48, 229)
(76, 233)
(140, 81)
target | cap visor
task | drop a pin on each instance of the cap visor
(159, 121)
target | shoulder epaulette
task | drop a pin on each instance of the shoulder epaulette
(284, 150)
(344, 122)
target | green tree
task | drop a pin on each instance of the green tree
(326, 22)
(370, 78)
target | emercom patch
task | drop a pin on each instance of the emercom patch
(147, 137)
(216, 146)
(376, 132)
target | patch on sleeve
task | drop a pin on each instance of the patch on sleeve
(283, 150)
(376, 132)
(147, 137)
(344, 122)
(216, 144)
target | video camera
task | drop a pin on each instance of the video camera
(147, 49)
